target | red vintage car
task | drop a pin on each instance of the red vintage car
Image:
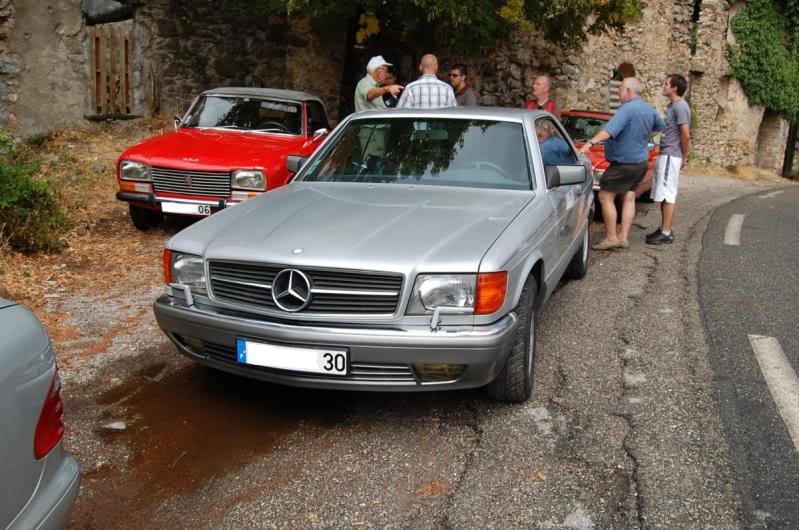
(583, 125)
(230, 146)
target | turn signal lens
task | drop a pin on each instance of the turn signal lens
(50, 428)
(490, 295)
(167, 265)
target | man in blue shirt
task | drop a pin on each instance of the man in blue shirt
(626, 148)
(554, 150)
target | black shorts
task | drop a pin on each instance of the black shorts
(621, 178)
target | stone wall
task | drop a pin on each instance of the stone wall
(43, 65)
(181, 48)
(184, 48)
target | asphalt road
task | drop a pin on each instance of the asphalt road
(752, 288)
(624, 429)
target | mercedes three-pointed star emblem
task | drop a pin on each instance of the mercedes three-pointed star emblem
(291, 290)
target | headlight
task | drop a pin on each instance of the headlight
(248, 179)
(189, 270)
(435, 290)
(130, 170)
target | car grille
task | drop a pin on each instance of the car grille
(333, 291)
(362, 372)
(213, 183)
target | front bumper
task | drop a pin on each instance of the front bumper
(381, 358)
(153, 202)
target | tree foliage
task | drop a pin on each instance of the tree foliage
(468, 24)
(766, 56)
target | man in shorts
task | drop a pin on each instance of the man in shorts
(626, 148)
(674, 146)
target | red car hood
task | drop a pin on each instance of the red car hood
(214, 149)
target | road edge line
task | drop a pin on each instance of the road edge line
(781, 380)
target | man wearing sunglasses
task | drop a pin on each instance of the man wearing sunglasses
(464, 94)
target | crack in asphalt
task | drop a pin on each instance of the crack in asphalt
(630, 453)
(475, 425)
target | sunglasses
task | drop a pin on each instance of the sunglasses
(455, 75)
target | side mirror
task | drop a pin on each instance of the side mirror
(176, 121)
(320, 132)
(294, 163)
(565, 175)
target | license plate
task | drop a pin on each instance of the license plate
(186, 208)
(318, 361)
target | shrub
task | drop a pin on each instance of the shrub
(31, 219)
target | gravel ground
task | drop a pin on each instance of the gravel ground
(623, 429)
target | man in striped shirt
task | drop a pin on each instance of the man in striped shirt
(427, 92)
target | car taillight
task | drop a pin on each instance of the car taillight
(490, 294)
(167, 265)
(50, 428)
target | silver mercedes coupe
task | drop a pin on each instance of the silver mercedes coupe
(411, 252)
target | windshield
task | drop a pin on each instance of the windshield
(430, 151)
(246, 113)
(581, 128)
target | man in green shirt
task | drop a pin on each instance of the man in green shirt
(369, 92)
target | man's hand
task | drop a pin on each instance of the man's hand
(585, 149)
(395, 89)
(684, 161)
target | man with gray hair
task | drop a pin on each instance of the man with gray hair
(427, 92)
(627, 134)
(369, 92)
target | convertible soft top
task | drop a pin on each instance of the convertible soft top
(276, 93)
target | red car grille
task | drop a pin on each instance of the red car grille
(212, 183)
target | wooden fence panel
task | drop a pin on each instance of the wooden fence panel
(110, 57)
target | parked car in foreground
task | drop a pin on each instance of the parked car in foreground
(412, 252)
(230, 146)
(38, 479)
(584, 124)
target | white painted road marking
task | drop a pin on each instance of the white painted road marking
(781, 380)
(732, 235)
(771, 195)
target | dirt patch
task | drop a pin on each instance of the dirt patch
(184, 429)
(742, 173)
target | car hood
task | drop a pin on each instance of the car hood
(215, 149)
(360, 226)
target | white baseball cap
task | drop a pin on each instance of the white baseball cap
(376, 62)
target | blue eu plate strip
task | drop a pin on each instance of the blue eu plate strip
(241, 351)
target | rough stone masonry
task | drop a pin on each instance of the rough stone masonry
(182, 48)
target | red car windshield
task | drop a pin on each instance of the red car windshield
(582, 128)
(246, 113)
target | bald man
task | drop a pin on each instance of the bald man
(626, 138)
(541, 100)
(427, 92)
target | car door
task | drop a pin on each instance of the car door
(557, 150)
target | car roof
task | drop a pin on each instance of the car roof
(478, 113)
(276, 93)
(589, 113)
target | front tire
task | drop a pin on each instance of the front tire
(144, 219)
(578, 267)
(514, 384)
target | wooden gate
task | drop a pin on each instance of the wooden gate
(111, 49)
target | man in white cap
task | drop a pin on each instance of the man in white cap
(369, 92)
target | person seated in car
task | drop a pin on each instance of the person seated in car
(554, 150)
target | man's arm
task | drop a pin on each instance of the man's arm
(685, 141)
(379, 91)
(601, 136)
